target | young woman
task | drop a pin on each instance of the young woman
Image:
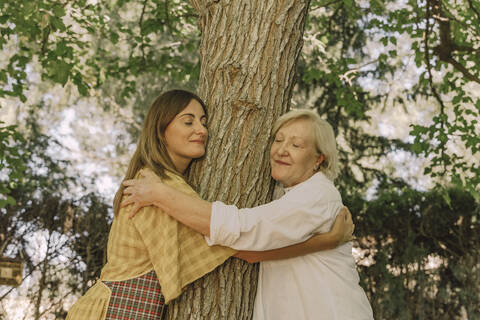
(320, 285)
(151, 257)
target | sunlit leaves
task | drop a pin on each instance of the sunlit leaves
(448, 140)
(120, 42)
(12, 162)
(44, 30)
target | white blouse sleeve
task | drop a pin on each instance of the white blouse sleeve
(278, 224)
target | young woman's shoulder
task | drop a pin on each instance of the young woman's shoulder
(178, 182)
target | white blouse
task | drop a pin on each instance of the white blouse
(321, 285)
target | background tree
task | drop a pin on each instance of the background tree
(39, 227)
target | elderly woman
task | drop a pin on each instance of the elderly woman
(319, 285)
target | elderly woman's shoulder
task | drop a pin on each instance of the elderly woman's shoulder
(317, 188)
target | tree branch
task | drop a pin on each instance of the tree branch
(466, 49)
(142, 45)
(462, 69)
(427, 60)
(167, 19)
(447, 46)
(45, 35)
(429, 68)
(470, 4)
(324, 5)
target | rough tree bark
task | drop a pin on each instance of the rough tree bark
(249, 50)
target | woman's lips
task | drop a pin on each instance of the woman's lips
(282, 163)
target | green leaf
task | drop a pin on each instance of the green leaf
(150, 26)
(58, 11)
(61, 72)
(417, 148)
(446, 197)
(457, 99)
(472, 190)
(114, 37)
(81, 85)
(3, 76)
(82, 88)
(11, 201)
(28, 7)
(57, 23)
(477, 104)
(61, 48)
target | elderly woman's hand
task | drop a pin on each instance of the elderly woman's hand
(140, 192)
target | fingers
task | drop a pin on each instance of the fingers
(339, 221)
(348, 215)
(147, 174)
(133, 211)
(129, 182)
(343, 213)
(348, 226)
(341, 216)
(352, 230)
(127, 201)
(129, 190)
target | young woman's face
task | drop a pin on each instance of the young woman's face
(186, 136)
(293, 155)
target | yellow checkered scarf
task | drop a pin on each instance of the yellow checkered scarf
(154, 240)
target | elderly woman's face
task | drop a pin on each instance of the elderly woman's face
(293, 155)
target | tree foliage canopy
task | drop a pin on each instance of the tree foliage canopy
(432, 45)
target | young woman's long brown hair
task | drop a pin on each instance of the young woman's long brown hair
(151, 149)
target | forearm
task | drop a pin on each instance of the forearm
(316, 243)
(193, 212)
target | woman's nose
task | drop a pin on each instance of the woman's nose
(201, 130)
(282, 149)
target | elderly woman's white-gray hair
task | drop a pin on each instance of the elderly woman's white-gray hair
(324, 138)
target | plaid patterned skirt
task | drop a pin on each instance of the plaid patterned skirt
(139, 298)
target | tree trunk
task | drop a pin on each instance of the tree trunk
(249, 51)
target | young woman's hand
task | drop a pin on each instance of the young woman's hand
(140, 192)
(341, 232)
(250, 256)
(343, 226)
